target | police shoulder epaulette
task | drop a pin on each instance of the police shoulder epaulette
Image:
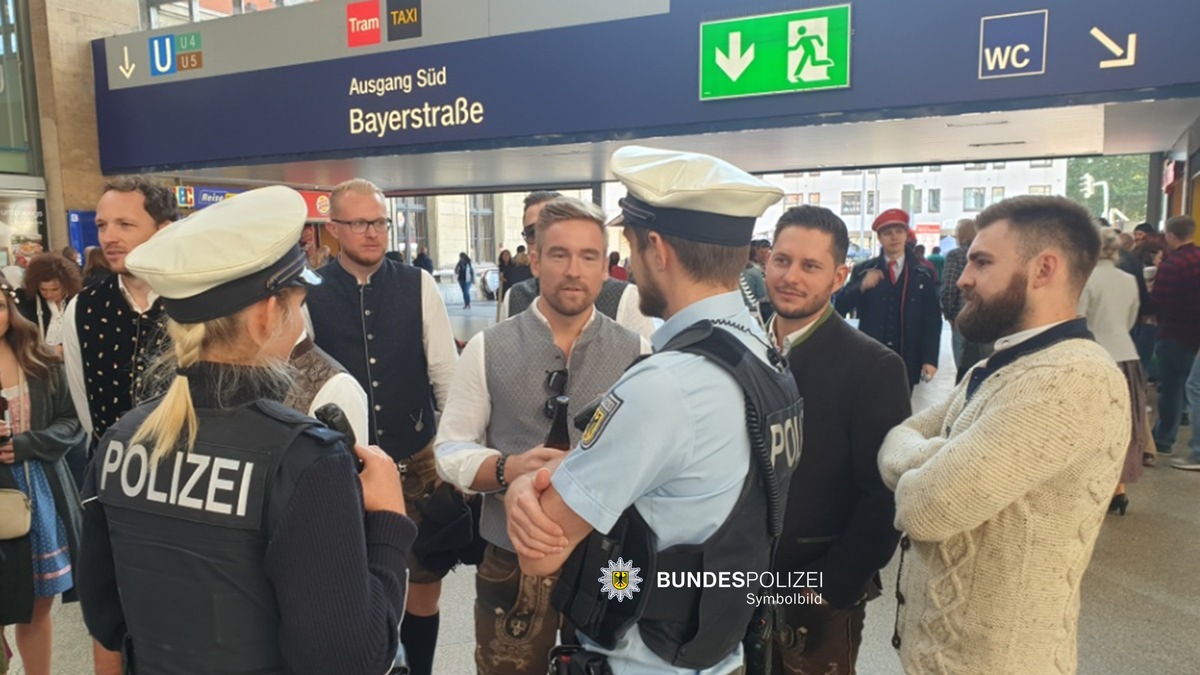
(323, 434)
(278, 411)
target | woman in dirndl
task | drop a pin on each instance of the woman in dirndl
(40, 429)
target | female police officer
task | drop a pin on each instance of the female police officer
(223, 532)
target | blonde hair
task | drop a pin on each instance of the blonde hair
(174, 419)
(568, 208)
(358, 186)
(1110, 243)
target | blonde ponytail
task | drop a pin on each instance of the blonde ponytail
(175, 415)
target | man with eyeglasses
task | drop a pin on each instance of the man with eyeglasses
(500, 409)
(387, 324)
(618, 300)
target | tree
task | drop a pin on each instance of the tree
(1126, 175)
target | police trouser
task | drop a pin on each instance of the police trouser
(818, 639)
(515, 626)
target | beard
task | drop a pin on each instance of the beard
(815, 303)
(361, 260)
(983, 321)
(567, 306)
(651, 300)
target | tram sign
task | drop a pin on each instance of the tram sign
(775, 53)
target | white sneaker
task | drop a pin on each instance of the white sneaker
(1190, 464)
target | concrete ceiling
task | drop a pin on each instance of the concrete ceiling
(1113, 129)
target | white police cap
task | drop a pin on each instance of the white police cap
(228, 256)
(689, 195)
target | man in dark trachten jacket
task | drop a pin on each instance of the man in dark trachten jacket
(897, 299)
(839, 518)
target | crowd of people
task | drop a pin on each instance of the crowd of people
(239, 464)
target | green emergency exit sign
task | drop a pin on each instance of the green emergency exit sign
(775, 53)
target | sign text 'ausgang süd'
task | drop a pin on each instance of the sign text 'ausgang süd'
(424, 115)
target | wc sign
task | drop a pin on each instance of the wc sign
(1013, 45)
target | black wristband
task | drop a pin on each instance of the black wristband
(500, 472)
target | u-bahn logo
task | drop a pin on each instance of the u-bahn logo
(162, 54)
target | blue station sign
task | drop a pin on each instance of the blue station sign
(344, 79)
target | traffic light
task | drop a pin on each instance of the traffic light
(1088, 185)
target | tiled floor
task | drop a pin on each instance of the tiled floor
(1141, 601)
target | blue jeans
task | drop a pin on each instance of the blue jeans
(1174, 365)
(1145, 336)
(466, 290)
(1193, 394)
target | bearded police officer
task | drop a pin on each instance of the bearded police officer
(681, 469)
(224, 532)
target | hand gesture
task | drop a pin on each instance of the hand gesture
(871, 279)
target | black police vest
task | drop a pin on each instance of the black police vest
(696, 628)
(190, 535)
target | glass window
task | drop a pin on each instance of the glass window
(870, 201)
(410, 226)
(851, 203)
(973, 198)
(1041, 163)
(793, 174)
(164, 13)
(997, 194)
(1039, 189)
(814, 198)
(935, 168)
(912, 169)
(15, 59)
(975, 166)
(814, 174)
(935, 200)
(793, 200)
(483, 227)
(917, 201)
(999, 165)
(852, 172)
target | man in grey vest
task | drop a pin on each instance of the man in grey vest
(496, 419)
(618, 300)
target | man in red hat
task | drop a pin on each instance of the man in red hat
(897, 298)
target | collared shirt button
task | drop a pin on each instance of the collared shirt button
(374, 383)
(378, 408)
(372, 360)
(368, 312)
(370, 336)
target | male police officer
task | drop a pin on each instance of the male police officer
(682, 469)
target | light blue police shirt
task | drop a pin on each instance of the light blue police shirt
(674, 445)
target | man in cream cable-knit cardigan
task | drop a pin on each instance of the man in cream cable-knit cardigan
(1001, 490)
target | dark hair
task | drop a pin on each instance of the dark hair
(94, 260)
(160, 199)
(704, 263)
(1146, 251)
(937, 250)
(1146, 228)
(463, 257)
(1044, 222)
(538, 196)
(1183, 227)
(614, 258)
(919, 249)
(520, 249)
(821, 219)
(500, 260)
(52, 267)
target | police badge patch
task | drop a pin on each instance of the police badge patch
(607, 408)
